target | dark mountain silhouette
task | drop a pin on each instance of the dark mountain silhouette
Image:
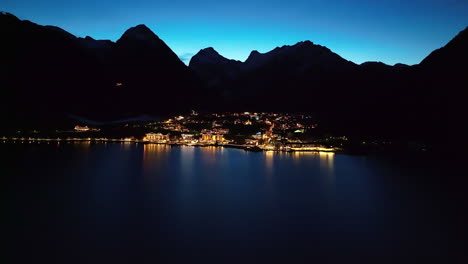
(100, 49)
(149, 70)
(443, 77)
(454, 55)
(210, 65)
(280, 79)
(213, 68)
(371, 99)
(301, 56)
(47, 73)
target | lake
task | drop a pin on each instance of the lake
(122, 202)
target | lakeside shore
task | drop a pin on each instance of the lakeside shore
(246, 147)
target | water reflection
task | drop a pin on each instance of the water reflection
(326, 161)
(154, 156)
(83, 144)
(210, 154)
(269, 155)
(301, 156)
(151, 150)
(126, 145)
(187, 156)
(290, 202)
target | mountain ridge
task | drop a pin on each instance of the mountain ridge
(140, 74)
(59, 63)
(454, 53)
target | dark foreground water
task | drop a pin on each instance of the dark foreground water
(115, 202)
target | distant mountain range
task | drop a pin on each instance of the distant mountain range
(47, 73)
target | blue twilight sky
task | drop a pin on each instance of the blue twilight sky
(390, 31)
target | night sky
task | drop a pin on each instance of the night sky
(361, 30)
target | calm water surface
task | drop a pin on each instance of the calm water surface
(122, 202)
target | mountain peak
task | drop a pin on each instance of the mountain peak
(256, 58)
(209, 56)
(305, 42)
(141, 27)
(209, 51)
(139, 32)
(253, 54)
(373, 63)
(400, 65)
(6, 14)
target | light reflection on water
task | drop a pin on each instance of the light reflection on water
(327, 162)
(325, 159)
(269, 162)
(154, 157)
(187, 157)
(210, 155)
(195, 197)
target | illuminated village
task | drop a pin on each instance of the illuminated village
(249, 131)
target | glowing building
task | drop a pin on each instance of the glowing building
(82, 128)
(212, 138)
(156, 137)
(188, 136)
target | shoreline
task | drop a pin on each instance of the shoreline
(245, 147)
(443, 153)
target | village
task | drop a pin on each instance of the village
(250, 131)
(246, 130)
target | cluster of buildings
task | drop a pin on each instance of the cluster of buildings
(206, 138)
(79, 128)
(267, 131)
(264, 131)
